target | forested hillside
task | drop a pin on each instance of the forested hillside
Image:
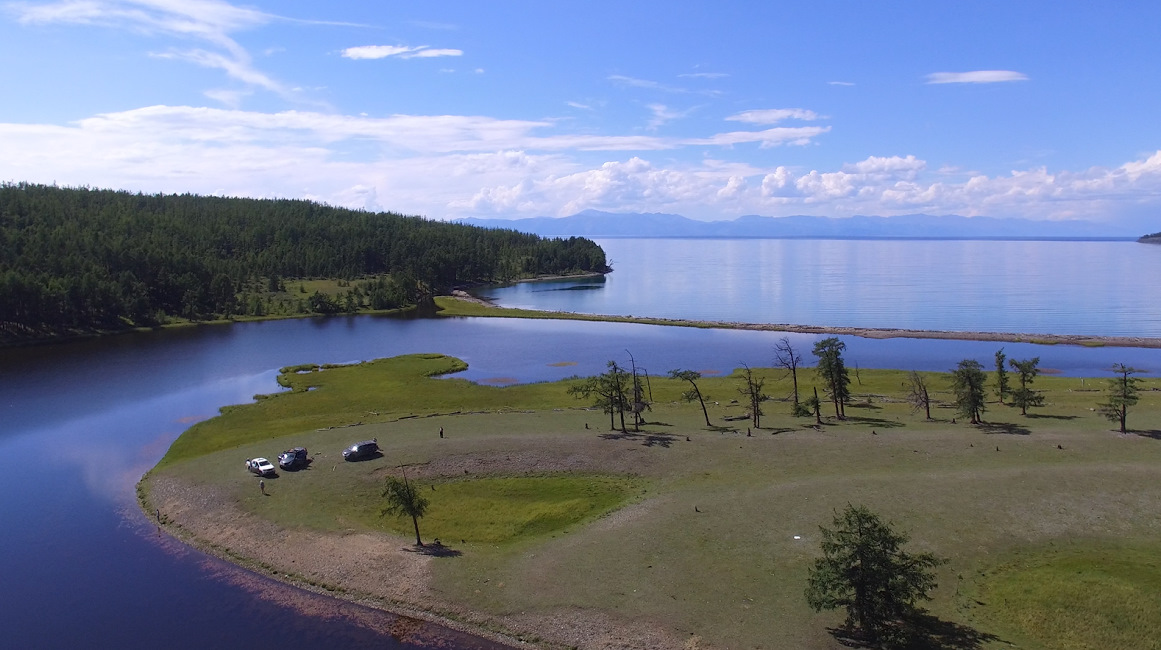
(82, 260)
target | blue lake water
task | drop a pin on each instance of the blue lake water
(81, 421)
(1054, 287)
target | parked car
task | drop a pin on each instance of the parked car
(292, 458)
(361, 450)
(260, 466)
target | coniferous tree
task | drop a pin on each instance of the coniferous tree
(1024, 396)
(833, 372)
(1123, 392)
(864, 570)
(968, 384)
(1002, 383)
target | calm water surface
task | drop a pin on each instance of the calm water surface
(80, 422)
(1055, 287)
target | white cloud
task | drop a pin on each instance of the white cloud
(774, 115)
(400, 51)
(704, 75)
(663, 114)
(425, 53)
(840, 83)
(456, 165)
(633, 82)
(231, 98)
(376, 51)
(208, 21)
(774, 137)
(975, 77)
(887, 165)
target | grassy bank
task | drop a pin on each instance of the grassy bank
(553, 525)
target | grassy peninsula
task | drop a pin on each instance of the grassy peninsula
(560, 533)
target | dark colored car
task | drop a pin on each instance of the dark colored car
(361, 450)
(292, 458)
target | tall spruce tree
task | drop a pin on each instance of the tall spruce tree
(833, 373)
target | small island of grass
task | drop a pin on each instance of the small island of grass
(557, 532)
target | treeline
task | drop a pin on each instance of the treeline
(77, 259)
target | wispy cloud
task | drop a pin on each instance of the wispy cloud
(703, 75)
(425, 53)
(976, 77)
(662, 114)
(840, 83)
(774, 115)
(634, 82)
(400, 51)
(209, 21)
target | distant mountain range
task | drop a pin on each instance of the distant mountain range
(593, 223)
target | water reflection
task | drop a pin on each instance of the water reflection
(83, 420)
(1057, 287)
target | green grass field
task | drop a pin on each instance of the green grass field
(1051, 522)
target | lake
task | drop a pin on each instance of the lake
(1105, 288)
(81, 421)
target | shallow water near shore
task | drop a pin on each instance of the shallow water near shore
(82, 421)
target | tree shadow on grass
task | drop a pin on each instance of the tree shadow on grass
(878, 422)
(864, 405)
(1151, 433)
(920, 632)
(435, 549)
(647, 439)
(1042, 416)
(1010, 428)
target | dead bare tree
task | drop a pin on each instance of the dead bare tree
(753, 393)
(917, 395)
(786, 357)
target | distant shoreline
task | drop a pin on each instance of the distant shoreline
(457, 305)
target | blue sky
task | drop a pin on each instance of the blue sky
(513, 109)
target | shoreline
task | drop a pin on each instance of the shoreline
(178, 528)
(396, 582)
(487, 308)
(383, 571)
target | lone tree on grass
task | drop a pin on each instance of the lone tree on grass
(639, 403)
(967, 381)
(1122, 393)
(694, 393)
(753, 393)
(610, 390)
(864, 570)
(786, 357)
(813, 405)
(917, 395)
(1024, 396)
(833, 373)
(1001, 375)
(402, 499)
